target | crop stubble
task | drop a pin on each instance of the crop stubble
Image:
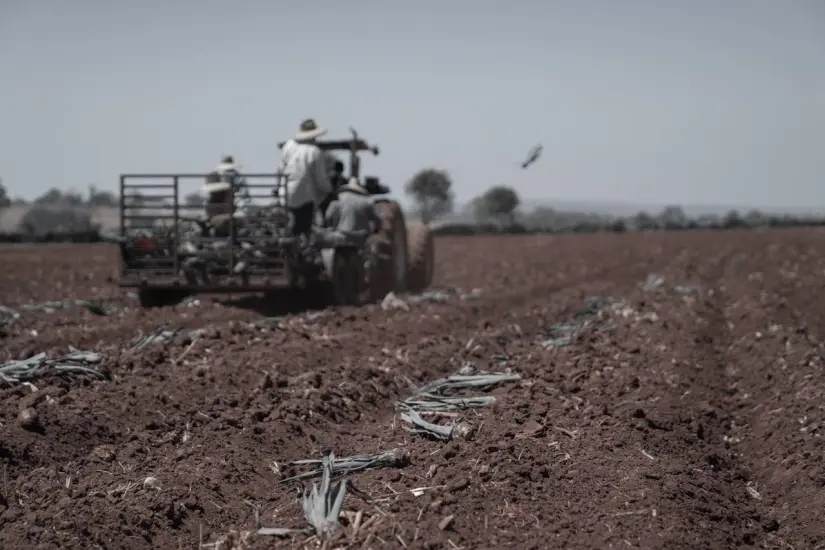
(693, 423)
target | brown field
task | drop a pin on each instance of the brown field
(687, 416)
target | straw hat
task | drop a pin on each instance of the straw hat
(309, 130)
(354, 186)
(228, 163)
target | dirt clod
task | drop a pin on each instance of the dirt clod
(28, 419)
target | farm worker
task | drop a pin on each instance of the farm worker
(229, 172)
(219, 199)
(221, 204)
(307, 181)
(351, 214)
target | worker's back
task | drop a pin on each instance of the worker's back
(351, 213)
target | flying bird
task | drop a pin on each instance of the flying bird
(533, 156)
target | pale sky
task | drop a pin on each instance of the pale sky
(692, 101)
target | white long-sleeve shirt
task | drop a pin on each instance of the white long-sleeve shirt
(305, 169)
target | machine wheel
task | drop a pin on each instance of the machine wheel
(421, 247)
(394, 231)
(160, 297)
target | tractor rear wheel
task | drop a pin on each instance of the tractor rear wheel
(393, 231)
(421, 249)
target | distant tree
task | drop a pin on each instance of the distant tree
(55, 196)
(49, 218)
(586, 226)
(52, 196)
(5, 200)
(543, 218)
(709, 221)
(74, 198)
(755, 218)
(497, 202)
(733, 220)
(618, 226)
(673, 217)
(644, 222)
(783, 220)
(431, 190)
(96, 197)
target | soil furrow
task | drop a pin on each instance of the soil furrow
(686, 416)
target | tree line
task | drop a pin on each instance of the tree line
(497, 210)
(70, 211)
(93, 198)
(431, 192)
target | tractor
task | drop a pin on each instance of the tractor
(169, 251)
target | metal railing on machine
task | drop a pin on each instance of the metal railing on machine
(155, 220)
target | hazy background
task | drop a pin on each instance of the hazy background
(645, 101)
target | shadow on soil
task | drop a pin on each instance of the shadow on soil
(277, 303)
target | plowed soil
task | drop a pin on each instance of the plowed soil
(686, 413)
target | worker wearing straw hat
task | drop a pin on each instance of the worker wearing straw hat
(352, 211)
(229, 171)
(307, 181)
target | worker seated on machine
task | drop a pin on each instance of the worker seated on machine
(350, 215)
(229, 172)
(227, 196)
(220, 204)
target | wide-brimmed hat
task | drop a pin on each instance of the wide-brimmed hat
(309, 130)
(354, 186)
(228, 163)
(213, 183)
